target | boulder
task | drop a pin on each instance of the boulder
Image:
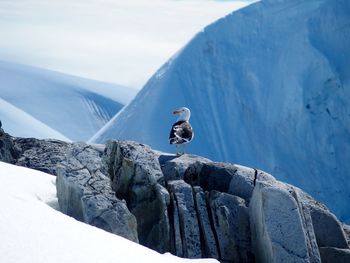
(42, 155)
(332, 255)
(346, 229)
(209, 240)
(174, 166)
(231, 223)
(6, 147)
(278, 230)
(328, 230)
(188, 221)
(137, 178)
(228, 178)
(84, 193)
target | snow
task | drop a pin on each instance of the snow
(268, 87)
(110, 40)
(22, 124)
(31, 230)
(74, 107)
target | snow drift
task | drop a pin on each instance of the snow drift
(32, 231)
(75, 107)
(268, 87)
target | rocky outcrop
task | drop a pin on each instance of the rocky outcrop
(83, 191)
(6, 147)
(278, 231)
(136, 177)
(186, 205)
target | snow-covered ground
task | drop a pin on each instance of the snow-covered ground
(32, 231)
(119, 41)
(268, 87)
(74, 107)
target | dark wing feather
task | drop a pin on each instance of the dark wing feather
(181, 132)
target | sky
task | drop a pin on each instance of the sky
(117, 41)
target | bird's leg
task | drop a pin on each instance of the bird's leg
(183, 148)
(177, 149)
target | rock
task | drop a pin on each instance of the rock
(328, 230)
(174, 167)
(137, 177)
(231, 224)
(209, 243)
(189, 227)
(332, 254)
(346, 229)
(6, 147)
(42, 155)
(176, 239)
(305, 215)
(278, 231)
(84, 193)
(228, 178)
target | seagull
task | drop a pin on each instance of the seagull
(181, 131)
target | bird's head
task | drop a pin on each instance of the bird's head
(184, 114)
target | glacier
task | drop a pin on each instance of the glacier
(268, 87)
(74, 107)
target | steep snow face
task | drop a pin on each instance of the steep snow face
(73, 106)
(268, 87)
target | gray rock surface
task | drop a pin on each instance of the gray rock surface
(6, 147)
(334, 255)
(128, 189)
(189, 226)
(232, 227)
(328, 230)
(278, 232)
(136, 176)
(42, 155)
(346, 229)
(174, 167)
(83, 191)
(209, 241)
(228, 178)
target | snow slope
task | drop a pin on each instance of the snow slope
(32, 231)
(73, 106)
(22, 124)
(268, 87)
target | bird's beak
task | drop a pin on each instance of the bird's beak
(176, 112)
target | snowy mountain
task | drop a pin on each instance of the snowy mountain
(24, 125)
(74, 107)
(268, 87)
(33, 231)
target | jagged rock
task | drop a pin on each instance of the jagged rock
(83, 191)
(42, 155)
(278, 231)
(328, 230)
(209, 243)
(207, 216)
(231, 222)
(305, 216)
(332, 255)
(189, 228)
(137, 177)
(6, 147)
(228, 178)
(346, 229)
(174, 167)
